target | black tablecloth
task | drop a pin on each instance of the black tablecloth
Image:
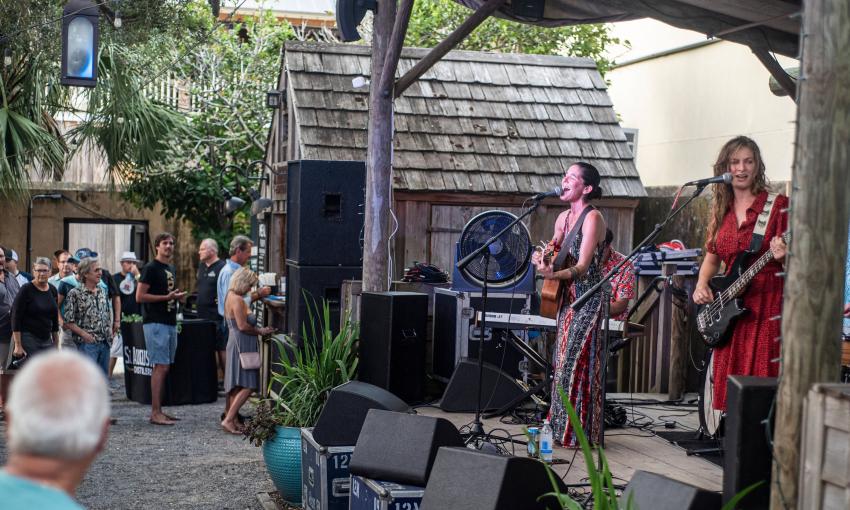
(192, 379)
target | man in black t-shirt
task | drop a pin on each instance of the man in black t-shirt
(158, 291)
(208, 268)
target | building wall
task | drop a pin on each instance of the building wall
(92, 202)
(686, 104)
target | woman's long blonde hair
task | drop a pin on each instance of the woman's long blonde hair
(723, 196)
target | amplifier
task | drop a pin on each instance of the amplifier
(454, 325)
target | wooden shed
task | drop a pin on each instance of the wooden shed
(478, 131)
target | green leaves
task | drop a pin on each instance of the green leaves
(25, 145)
(307, 373)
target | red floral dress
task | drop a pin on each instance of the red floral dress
(622, 283)
(754, 348)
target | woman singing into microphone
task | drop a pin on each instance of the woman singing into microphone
(754, 345)
(581, 231)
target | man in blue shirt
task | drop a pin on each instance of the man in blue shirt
(240, 253)
(55, 431)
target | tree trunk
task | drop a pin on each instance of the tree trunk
(811, 322)
(378, 159)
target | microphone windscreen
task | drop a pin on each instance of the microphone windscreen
(727, 178)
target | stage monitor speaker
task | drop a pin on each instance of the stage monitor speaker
(392, 342)
(324, 212)
(747, 457)
(651, 490)
(401, 448)
(497, 388)
(308, 285)
(342, 417)
(473, 480)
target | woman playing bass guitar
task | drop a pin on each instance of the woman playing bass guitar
(754, 345)
(578, 351)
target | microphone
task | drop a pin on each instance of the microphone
(556, 192)
(718, 179)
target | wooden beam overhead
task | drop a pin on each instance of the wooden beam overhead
(453, 39)
(402, 19)
(788, 84)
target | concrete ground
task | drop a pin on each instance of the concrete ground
(193, 464)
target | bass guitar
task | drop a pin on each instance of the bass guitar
(554, 293)
(716, 320)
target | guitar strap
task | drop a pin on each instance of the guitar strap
(761, 223)
(568, 241)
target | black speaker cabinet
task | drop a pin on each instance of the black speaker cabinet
(342, 417)
(651, 490)
(401, 448)
(747, 455)
(497, 388)
(472, 480)
(324, 212)
(392, 342)
(309, 285)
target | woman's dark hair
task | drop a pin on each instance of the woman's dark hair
(590, 176)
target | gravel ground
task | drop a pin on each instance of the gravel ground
(193, 464)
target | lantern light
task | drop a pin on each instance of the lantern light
(80, 36)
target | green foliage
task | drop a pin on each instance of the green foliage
(32, 29)
(432, 20)
(228, 78)
(305, 375)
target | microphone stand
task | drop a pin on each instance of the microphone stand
(604, 286)
(477, 428)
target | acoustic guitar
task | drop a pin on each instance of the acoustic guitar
(716, 320)
(554, 292)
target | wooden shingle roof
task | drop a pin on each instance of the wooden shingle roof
(477, 122)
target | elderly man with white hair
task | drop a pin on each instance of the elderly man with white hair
(57, 423)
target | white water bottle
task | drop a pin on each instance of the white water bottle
(546, 442)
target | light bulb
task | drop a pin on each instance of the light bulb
(117, 21)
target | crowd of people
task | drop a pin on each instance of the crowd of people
(72, 303)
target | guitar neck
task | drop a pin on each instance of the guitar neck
(740, 285)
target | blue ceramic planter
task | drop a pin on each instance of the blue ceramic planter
(283, 460)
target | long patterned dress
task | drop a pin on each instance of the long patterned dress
(578, 368)
(754, 347)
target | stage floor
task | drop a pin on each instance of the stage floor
(627, 449)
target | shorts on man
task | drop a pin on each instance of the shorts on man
(160, 342)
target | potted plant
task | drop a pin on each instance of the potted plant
(302, 377)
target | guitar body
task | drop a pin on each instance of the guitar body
(716, 320)
(551, 296)
(554, 293)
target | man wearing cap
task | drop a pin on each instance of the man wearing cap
(158, 291)
(126, 282)
(9, 288)
(72, 282)
(12, 266)
(66, 264)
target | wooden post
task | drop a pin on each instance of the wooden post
(378, 158)
(678, 344)
(811, 321)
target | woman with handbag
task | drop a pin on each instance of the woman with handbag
(242, 370)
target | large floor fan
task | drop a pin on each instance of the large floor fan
(509, 254)
(494, 250)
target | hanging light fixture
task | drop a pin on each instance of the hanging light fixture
(80, 36)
